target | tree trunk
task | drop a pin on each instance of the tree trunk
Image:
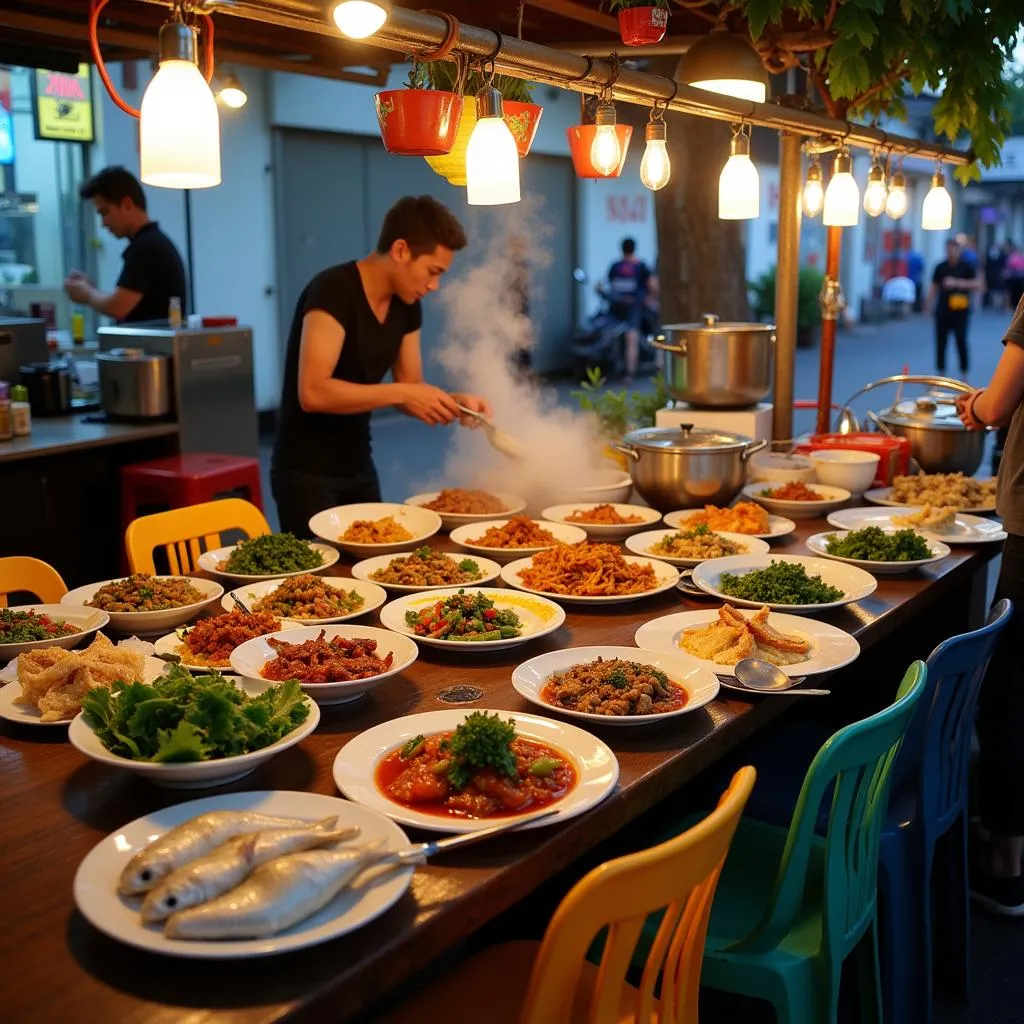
(701, 259)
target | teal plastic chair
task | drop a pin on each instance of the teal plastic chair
(792, 905)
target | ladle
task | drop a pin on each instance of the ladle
(499, 440)
(756, 674)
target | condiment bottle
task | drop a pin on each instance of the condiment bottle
(6, 429)
(174, 312)
(78, 328)
(21, 411)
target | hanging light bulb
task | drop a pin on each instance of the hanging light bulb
(896, 200)
(179, 127)
(739, 190)
(814, 190)
(842, 197)
(231, 93)
(724, 63)
(656, 168)
(358, 19)
(937, 211)
(875, 193)
(492, 160)
(605, 151)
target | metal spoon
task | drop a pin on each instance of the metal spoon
(756, 674)
(498, 439)
(240, 604)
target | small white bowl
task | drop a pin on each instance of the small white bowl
(249, 658)
(87, 621)
(831, 499)
(452, 520)
(846, 467)
(330, 524)
(610, 485)
(604, 531)
(777, 467)
(150, 623)
(562, 532)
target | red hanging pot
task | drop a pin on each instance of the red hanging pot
(418, 122)
(581, 138)
(523, 120)
(642, 26)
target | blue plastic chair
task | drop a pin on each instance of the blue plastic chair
(927, 807)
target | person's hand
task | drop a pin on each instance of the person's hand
(429, 404)
(965, 410)
(477, 404)
(949, 283)
(77, 287)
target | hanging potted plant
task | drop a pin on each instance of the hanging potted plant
(521, 115)
(417, 120)
(641, 22)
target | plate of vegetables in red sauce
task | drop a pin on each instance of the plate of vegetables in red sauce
(457, 771)
(615, 685)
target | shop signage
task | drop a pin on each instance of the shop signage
(62, 105)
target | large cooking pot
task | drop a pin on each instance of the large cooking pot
(682, 467)
(49, 388)
(718, 365)
(134, 384)
(938, 440)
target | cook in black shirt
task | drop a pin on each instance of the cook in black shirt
(353, 323)
(950, 297)
(153, 273)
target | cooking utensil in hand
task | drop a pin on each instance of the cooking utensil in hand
(756, 674)
(499, 440)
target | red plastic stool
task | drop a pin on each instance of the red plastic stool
(182, 480)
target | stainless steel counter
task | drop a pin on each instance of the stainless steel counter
(65, 434)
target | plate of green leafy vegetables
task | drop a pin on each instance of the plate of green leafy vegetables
(268, 557)
(185, 732)
(879, 551)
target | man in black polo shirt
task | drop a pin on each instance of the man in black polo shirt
(153, 273)
(354, 323)
(949, 297)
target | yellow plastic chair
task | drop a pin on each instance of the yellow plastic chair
(552, 981)
(20, 574)
(185, 533)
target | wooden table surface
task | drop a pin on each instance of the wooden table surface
(56, 805)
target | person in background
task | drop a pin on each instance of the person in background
(626, 291)
(995, 282)
(996, 879)
(153, 272)
(353, 324)
(949, 299)
(1014, 275)
(915, 271)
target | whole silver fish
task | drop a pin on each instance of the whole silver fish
(220, 871)
(190, 840)
(277, 895)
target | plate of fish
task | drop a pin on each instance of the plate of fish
(950, 526)
(243, 875)
(719, 638)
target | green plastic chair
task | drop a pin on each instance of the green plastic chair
(791, 906)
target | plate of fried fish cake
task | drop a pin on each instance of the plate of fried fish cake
(719, 638)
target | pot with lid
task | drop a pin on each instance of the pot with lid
(716, 364)
(683, 467)
(134, 384)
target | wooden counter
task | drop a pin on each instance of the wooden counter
(63, 434)
(57, 805)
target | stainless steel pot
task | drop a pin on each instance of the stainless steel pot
(938, 440)
(718, 365)
(134, 384)
(682, 467)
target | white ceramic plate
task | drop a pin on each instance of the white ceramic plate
(170, 648)
(831, 648)
(538, 615)
(450, 520)
(817, 542)
(883, 496)
(562, 532)
(666, 577)
(856, 584)
(604, 531)
(25, 714)
(355, 766)
(701, 684)
(209, 560)
(193, 774)
(833, 498)
(88, 620)
(370, 896)
(372, 595)
(778, 526)
(249, 658)
(365, 569)
(150, 623)
(330, 524)
(967, 529)
(642, 543)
